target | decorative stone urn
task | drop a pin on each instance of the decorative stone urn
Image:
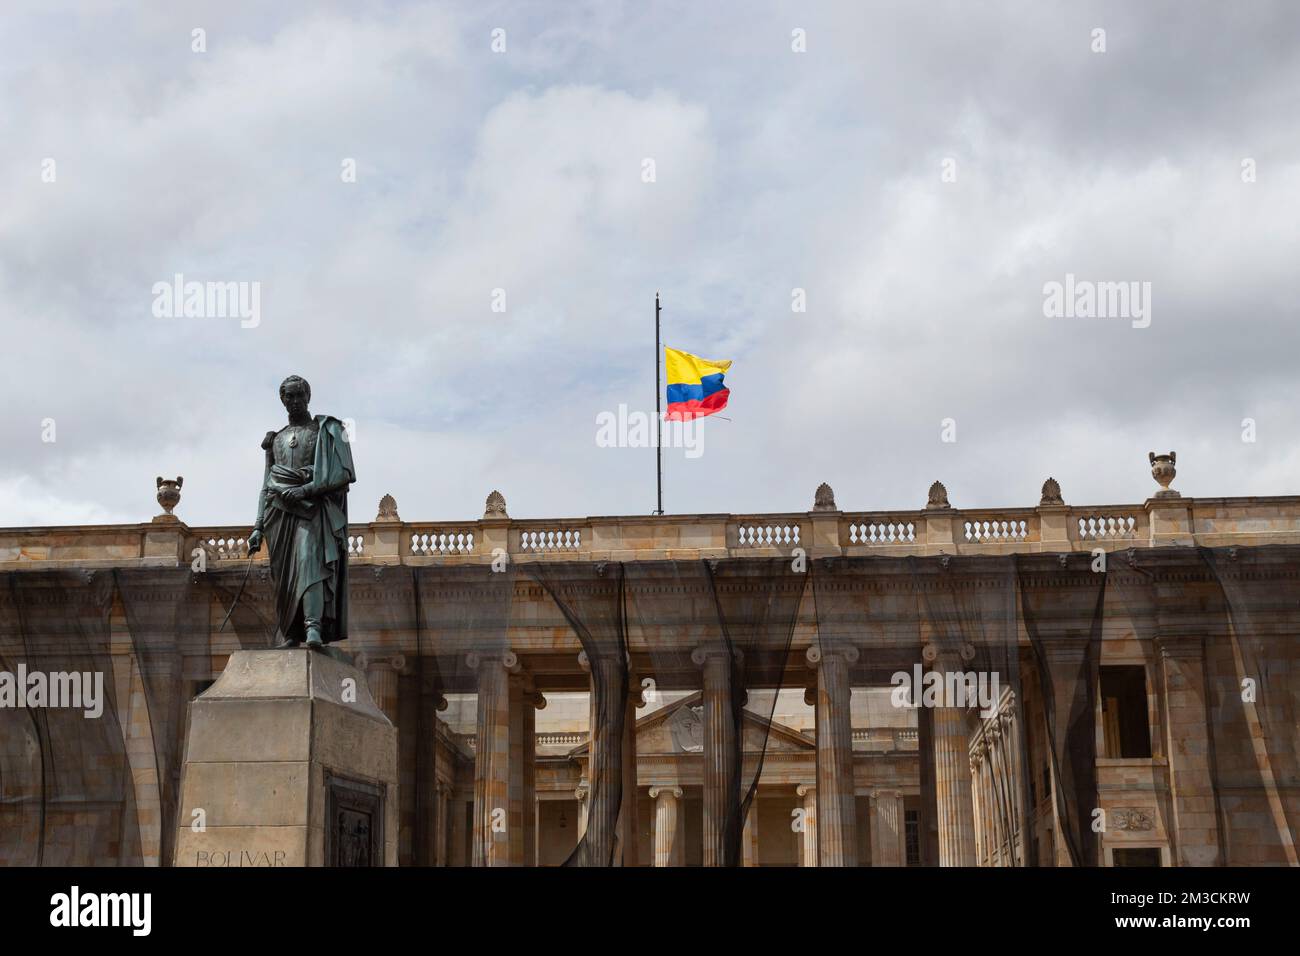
(169, 494)
(1164, 472)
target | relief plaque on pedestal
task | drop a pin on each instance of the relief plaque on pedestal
(288, 762)
(354, 816)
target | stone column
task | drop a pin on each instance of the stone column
(581, 795)
(1194, 829)
(669, 847)
(1067, 653)
(999, 781)
(980, 801)
(157, 842)
(525, 701)
(532, 704)
(749, 838)
(886, 828)
(1014, 757)
(456, 855)
(609, 766)
(837, 826)
(491, 834)
(721, 766)
(952, 780)
(927, 802)
(444, 824)
(628, 820)
(382, 673)
(809, 793)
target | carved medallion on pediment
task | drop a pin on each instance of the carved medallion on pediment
(687, 726)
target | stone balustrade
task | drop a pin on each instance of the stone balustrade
(1158, 522)
(884, 739)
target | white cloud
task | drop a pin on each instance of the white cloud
(522, 171)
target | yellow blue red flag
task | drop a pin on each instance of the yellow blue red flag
(695, 387)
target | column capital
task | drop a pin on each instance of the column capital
(368, 660)
(667, 791)
(584, 661)
(942, 658)
(582, 792)
(806, 789)
(507, 660)
(817, 653)
(712, 651)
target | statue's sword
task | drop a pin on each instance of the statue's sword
(239, 593)
(266, 447)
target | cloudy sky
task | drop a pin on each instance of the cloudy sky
(523, 170)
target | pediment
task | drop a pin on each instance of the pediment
(678, 728)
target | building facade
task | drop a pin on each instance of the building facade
(1056, 685)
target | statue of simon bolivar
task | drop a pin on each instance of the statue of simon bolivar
(302, 515)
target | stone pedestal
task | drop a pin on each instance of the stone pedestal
(289, 762)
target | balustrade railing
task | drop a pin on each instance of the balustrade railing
(880, 530)
(929, 531)
(223, 544)
(767, 531)
(440, 541)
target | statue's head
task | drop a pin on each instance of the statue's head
(295, 393)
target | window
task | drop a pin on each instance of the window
(1125, 728)
(912, 833)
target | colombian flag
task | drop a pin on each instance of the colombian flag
(695, 386)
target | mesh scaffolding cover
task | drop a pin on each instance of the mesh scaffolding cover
(1214, 630)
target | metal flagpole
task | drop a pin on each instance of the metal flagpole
(659, 425)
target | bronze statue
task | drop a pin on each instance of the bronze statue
(302, 514)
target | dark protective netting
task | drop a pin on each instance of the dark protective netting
(462, 617)
(592, 600)
(172, 636)
(893, 621)
(1252, 675)
(757, 603)
(1061, 606)
(245, 604)
(724, 624)
(1043, 763)
(66, 791)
